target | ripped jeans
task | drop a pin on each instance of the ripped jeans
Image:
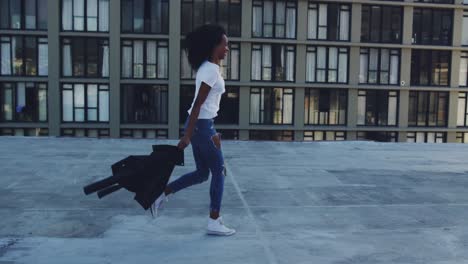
(206, 147)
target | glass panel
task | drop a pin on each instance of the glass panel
(67, 105)
(104, 106)
(67, 9)
(91, 9)
(42, 14)
(42, 104)
(103, 15)
(78, 15)
(30, 12)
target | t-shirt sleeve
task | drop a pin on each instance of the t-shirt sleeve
(208, 75)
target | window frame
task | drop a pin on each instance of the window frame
(23, 16)
(378, 93)
(418, 32)
(309, 49)
(85, 17)
(85, 102)
(145, 58)
(39, 40)
(101, 43)
(164, 89)
(427, 111)
(437, 135)
(463, 96)
(341, 93)
(325, 134)
(392, 53)
(269, 134)
(273, 46)
(262, 5)
(340, 8)
(164, 31)
(291, 91)
(393, 10)
(14, 93)
(417, 66)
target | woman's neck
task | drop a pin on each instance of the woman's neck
(214, 60)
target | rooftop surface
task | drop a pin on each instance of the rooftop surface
(290, 202)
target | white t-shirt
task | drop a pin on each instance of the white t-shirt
(210, 74)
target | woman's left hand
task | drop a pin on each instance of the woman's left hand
(184, 142)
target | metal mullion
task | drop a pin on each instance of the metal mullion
(85, 16)
(133, 59)
(144, 58)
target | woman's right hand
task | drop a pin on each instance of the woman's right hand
(184, 142)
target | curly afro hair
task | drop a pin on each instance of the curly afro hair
(200, 43)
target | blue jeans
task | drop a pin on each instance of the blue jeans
(208, 158)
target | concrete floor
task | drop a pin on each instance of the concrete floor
(290, 202)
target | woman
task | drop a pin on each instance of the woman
(206, 46)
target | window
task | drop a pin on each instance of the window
(464, 69)
(328, 21)
(324, 135)
(273, 62)
(379, 136)
(145, 59)
(230, 67)
(85, 15)
(432, 26)
(379, 66)
(327, 64)
(430, 67)
(382, 24)
(271, 106)
(85, 102)
(23, 14)
(85, 132)
(144, 133)
(144, 103)
(462, 118)
(226, 13)
(325, 106)
(436, 1)
(228, 112)
(465, 29)
(145, 16)
(34, 132)
(23, 56)
(23, 102)
(428, 109)
(426, 137)
(377, 108)
(462, 137)
(85, 57)
(273, 135)
(274, 18)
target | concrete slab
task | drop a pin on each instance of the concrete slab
(290, 202)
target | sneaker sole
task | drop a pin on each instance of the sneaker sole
(215, 233)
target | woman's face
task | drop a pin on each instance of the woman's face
(222, 49)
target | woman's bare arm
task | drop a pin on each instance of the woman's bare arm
(201, 97)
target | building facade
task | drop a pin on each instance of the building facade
(296, 70)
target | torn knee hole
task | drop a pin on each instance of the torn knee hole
(216, 140)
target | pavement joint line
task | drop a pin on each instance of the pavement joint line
(263, 240)
(241, 207)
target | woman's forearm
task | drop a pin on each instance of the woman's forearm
(192, 121)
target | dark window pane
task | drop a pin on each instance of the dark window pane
(31, 55)
(42, 14)
(15, 14)
(127, 15)
(78, 57)
(144, 104)
(4, 23)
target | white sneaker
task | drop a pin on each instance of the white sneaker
(217, 227)
(158, 203)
